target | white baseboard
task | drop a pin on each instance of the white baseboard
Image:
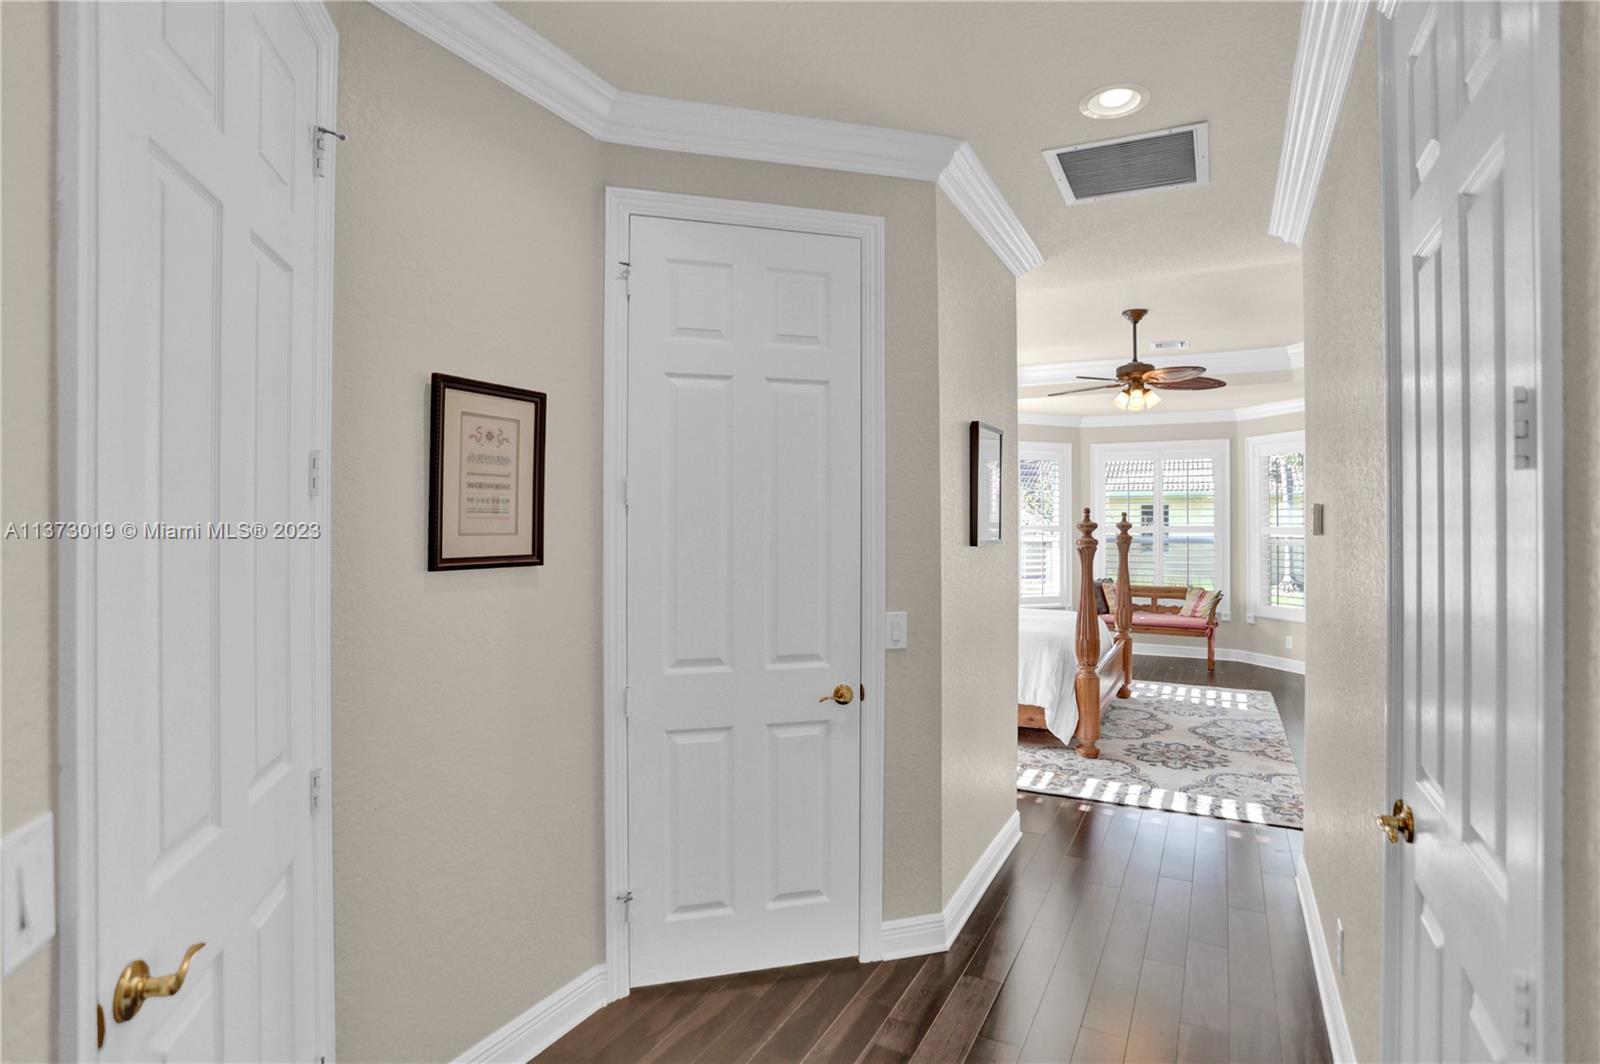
(1246, 657)
(912, 936)
(1344, 1051)
(531, 1033)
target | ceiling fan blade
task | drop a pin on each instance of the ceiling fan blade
(1192, 384)
(1080, 391)
(1081, 377)
(1174, 373)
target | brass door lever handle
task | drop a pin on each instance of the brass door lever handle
(1400, 824)
(136, 983)
(844, 694)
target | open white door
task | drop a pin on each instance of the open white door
(743, 597)
(201, 670)
(1471, 940)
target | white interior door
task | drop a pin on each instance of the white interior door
(206, 648)
(744, 597)
(1469, 99)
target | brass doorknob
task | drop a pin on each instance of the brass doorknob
(136, 983)
(1399, 824)
(844, 694)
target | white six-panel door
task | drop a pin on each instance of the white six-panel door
(1466, 183)
(205, 669)
(744, 597)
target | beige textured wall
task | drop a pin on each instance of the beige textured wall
(1266, 635)
(1580, 70)
(27, 441)
(1346, 670)
(466, 704)
(977, 382)
(911, 799)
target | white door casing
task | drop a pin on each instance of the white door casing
(1473, 913)
(195, 656)
(744, 589)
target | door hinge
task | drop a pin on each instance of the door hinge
(1524, 1008)
(316, 790)
(627, 493)
(626, 898)
(1523, 445)
(627, 701)
(626, 278)
(319, 149)
(314, 474)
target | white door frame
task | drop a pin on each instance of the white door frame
(77, 329)
(621, 205)
(1544, 113)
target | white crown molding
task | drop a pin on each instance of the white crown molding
(1173, 417)
(511, 52)
(1248, 360)
(1330, 33)
(529, 1034)
(974, 194)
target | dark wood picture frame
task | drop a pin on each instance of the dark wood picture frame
(441, 384)
(976, 496)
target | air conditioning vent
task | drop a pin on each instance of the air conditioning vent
(1148, 162)
(1158, 346)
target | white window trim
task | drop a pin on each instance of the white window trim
(1219, 451)
(1062, 452)
(1260, 448)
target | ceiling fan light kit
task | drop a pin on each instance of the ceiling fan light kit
(1137, 382)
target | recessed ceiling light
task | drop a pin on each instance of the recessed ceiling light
(1114, 101)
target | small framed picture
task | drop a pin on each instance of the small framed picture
(486, 475)
(984, 496)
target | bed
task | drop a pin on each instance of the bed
(1064, 680)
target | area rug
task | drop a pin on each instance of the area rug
(1210, 751)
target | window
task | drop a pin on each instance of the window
(1187, 484)
(1045, 487)
(1278, 526)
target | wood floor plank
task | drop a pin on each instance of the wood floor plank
(1244, 869)
(1036, 811)
(995, 953)
(1108, 863)
(1066, 893)
(1144, 864)
(1253, 1035)
(740, 1039)
(584, 1040)
(1302, 1032)
(853, 1029)
(796, 1035)
(1250, 974)
(1013, 1010)
(718, 1009)
(1201, 1045)
(1205, 986)
(1097, 1047)
(638, 1038)
(1208, 897)
(1168, 940)
(1272, 845)
(1177, 860)
(1116, 982)
(1157, 1014)
(1055, 1025)
(988, 1051)
(955, 1029)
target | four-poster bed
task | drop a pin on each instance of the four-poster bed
(1096, 677)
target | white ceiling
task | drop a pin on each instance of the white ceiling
(1008, 77)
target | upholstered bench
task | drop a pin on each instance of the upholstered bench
(1186, 611)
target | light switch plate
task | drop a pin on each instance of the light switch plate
(897, 631)
(27, 890)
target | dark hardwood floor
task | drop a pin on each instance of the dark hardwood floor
(1111, 934)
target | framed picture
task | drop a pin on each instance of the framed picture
(486, 475)
(984, 496)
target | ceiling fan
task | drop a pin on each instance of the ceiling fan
(1136, 381)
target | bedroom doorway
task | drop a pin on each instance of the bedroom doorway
(748, 802)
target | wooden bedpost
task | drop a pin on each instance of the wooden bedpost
(1086, 684)
(1124, 607)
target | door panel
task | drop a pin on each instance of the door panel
(744, 597)
(1471, 566)
(206, 652)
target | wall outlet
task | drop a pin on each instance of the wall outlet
(896, 639)
(1338, 944)
(1288, 642)
(27, 890)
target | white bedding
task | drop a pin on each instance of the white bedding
(1046, 661)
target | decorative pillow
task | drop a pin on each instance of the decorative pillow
(1199, 602)
(1105, 597)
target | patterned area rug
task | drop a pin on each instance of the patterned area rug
(1210, 751)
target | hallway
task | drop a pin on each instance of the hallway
(1110, 934)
